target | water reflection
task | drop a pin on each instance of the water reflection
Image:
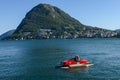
(78, 69)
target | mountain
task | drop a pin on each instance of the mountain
(47, 21)
(6, 34)
(117, 30)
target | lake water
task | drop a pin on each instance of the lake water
(36, 59)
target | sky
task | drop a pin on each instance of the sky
(97, 13)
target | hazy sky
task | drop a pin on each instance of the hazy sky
(97, 13)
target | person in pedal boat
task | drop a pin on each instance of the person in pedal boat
(77, 58)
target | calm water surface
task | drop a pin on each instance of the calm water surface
(36, 59)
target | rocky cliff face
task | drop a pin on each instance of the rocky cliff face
(46, 21)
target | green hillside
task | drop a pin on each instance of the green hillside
(46, 21)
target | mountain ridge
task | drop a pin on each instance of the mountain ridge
(6, 34)
(47, 21)
(117, 30)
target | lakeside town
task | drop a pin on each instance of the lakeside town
(52, 34)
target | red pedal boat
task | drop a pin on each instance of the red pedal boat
(75, 62)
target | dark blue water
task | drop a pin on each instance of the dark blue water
(36, 59)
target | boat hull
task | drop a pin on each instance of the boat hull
(76, 65)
